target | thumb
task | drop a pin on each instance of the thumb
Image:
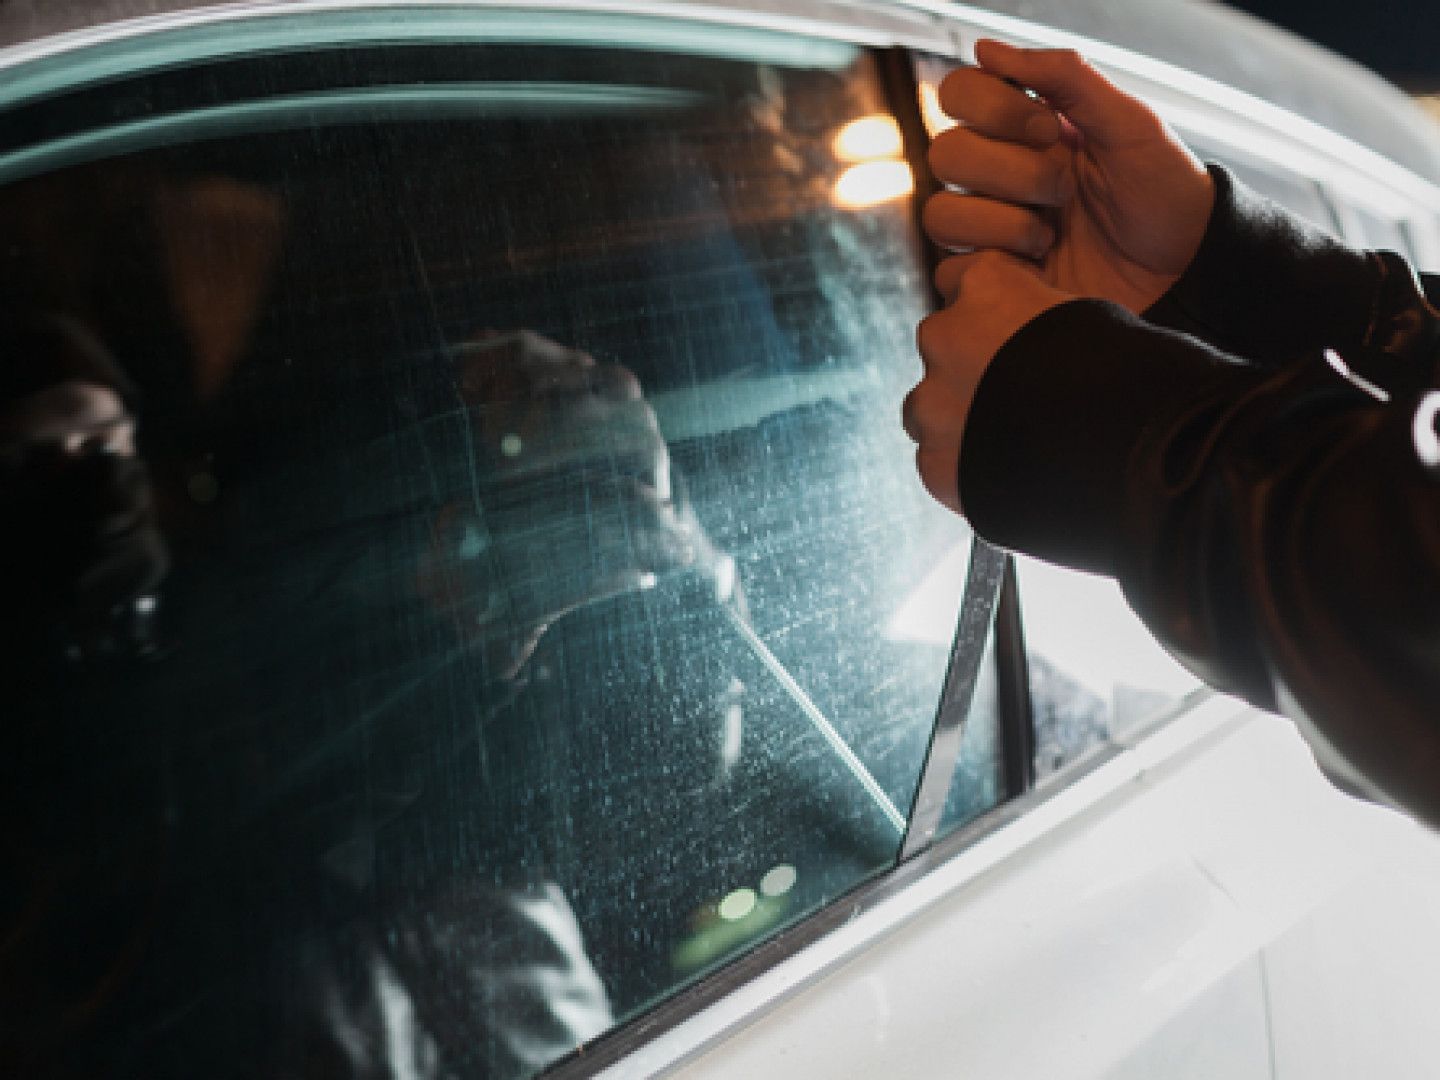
(1097, 107)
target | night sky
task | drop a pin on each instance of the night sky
(1399, 38)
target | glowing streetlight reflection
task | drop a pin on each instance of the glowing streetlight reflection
(737, 905)
(873, 182)
(778, 880)
(932, 115)
(868, 138)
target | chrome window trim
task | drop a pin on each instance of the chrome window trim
(879, 28)
(1292, 155)
(1246, 110)
(939, 26)
(977, 614)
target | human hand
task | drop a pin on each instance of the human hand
(990, 296)
(576, 494)
(1086, 181)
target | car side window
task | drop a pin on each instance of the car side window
(497, 591)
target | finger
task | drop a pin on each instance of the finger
(935, 419)
(933, 413)
(1002, 170)
(948, 277)
(997, 109)
(939, 470)
(971, 221)
(1096, 106)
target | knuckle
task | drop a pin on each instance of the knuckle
(944, 215)
(932, 336)
(990, 261)
(948, 151)
(955, 91)
(925, 335)
(923, 405)
(907, 414)
(948, 274)
(1068, 60)
(935, 213)
(1038, 236)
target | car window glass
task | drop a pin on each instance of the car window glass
(474, 580)
(1095, 673)
(977, 783)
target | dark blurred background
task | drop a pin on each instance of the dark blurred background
(1398, 38)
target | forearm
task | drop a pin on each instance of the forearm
(1279, 531)
(1267, 286)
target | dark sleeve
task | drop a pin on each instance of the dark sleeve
(1278, 530)
(1267, 286)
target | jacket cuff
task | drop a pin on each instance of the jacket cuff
(1266, 285)
(1056, 420)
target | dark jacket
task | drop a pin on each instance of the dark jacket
(1275, 522)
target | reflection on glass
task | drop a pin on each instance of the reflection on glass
(934, 117)
(867, 138)
(872, 182)
(1095, 671)
(467, 596)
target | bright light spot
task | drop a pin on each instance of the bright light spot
(510, 445)
(1081, 624)
(868, 138)
(931, 610)
(873, 182)
(724, 579)
(1426, 427)
(737, 905)
(778, 880)
(932, 115)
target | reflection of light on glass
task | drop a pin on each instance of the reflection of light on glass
(868, 138)
(1082, 625)
(511, 445)
(935, 118)
(929, 613)
(737, 905)
(778, 880)
(873, 182)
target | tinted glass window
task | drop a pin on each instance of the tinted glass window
(977, 783)
(470, 576)
(1095, 672)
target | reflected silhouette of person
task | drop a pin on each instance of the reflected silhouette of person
(575, 505)
(81, 553)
